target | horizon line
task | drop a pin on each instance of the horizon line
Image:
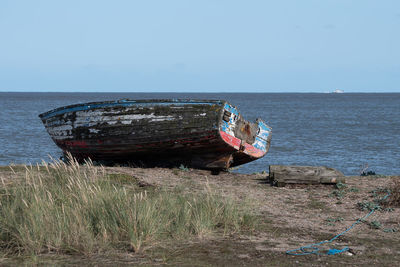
(202, 92)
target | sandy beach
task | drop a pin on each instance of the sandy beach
(287, 218)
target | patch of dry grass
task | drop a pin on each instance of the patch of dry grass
(394, 199)
(70, 208)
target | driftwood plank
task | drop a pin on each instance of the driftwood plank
(281, 175)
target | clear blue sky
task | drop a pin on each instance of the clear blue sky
(200, 46)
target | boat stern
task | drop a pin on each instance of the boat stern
(250, 140)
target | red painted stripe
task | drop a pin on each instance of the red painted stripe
(231, 140)
(73, 143)
(252, 151)
(248, 149)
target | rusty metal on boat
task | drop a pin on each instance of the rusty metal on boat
(207, 134)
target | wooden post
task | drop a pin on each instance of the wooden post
(281, 175)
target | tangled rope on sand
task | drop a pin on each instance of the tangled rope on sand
(314, 248)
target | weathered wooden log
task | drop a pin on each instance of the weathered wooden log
(281, 175)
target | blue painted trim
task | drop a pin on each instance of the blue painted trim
(261, 147)
(265, 130)
(224, 126)
(231, 109)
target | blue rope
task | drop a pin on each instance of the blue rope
(314, 248)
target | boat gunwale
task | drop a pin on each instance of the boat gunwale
(124, 102)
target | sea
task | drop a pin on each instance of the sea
(347, 131)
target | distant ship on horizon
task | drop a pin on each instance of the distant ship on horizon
(338, 91)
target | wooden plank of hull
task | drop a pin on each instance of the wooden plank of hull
(209, 152)
(150, 123)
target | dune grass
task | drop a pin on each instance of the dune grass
(70, 208)
(394, 198)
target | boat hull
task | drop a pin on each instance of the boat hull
(155, 133)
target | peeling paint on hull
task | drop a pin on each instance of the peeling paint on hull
(205, 134)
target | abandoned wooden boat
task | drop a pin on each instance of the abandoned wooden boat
(208, 134)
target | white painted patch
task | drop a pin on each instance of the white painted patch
(151, 116)
(57, 122)
(91, 130)
(260, 143)
(230, 131)
(60, 132)
(62, 128)
(163, 118)
(263, 133)
(97, 117)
